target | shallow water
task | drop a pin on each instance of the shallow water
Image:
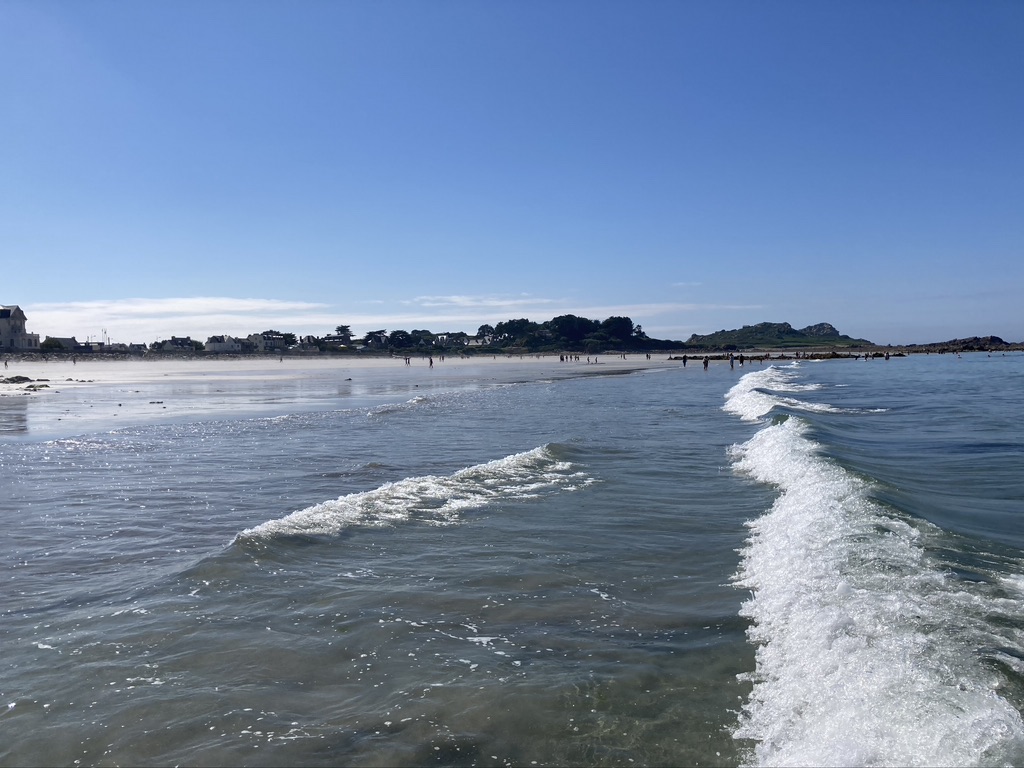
(487, 569)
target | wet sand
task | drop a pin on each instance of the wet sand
(97, 395)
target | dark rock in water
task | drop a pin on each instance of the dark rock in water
(16, 380)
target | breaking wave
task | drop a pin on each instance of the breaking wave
(868, 652)
(432, 499)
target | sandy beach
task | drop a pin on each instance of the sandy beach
(48, 398)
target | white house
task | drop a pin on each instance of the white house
(13, 336)
(223, 344)
(179, 344)
(268, 341)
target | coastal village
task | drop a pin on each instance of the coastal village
(614, 332)
(16, 339)
(564, 333)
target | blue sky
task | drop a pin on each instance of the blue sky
(206, 167)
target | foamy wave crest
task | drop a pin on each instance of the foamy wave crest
(867, 653)
(432, 499)
(410, 404)
(753, 396)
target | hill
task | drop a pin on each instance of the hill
(775, 336)
(972, 344)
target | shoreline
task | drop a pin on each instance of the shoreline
(30, 373)
(975, 344)
(55, 398)
(60, 397)
(128, 369)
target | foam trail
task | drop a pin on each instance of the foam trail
(867, 653)
(752, 397)
(430, 498)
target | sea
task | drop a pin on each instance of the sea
(787, 562)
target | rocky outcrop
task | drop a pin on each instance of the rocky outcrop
(972, 344)
(821, 329)
(776, 335)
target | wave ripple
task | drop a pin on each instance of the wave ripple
(431, 499)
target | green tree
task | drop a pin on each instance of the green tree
(571, 329)
(515, 331)
(422, 337)
(618, 328)
(400, 339)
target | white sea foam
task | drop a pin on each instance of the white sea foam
(756, 394)
(432, 499)
(867, 653)
(752, 397)
(388, 409)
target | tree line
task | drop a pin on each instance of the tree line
(565, 332)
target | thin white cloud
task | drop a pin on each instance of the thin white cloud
(480, 302)
(175, 306)
(657, 310)
(146, 320)
(562, 306)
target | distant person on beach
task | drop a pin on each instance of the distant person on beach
(706, 360)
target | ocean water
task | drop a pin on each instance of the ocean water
(790, 564)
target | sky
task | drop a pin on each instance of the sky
(202, 167)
